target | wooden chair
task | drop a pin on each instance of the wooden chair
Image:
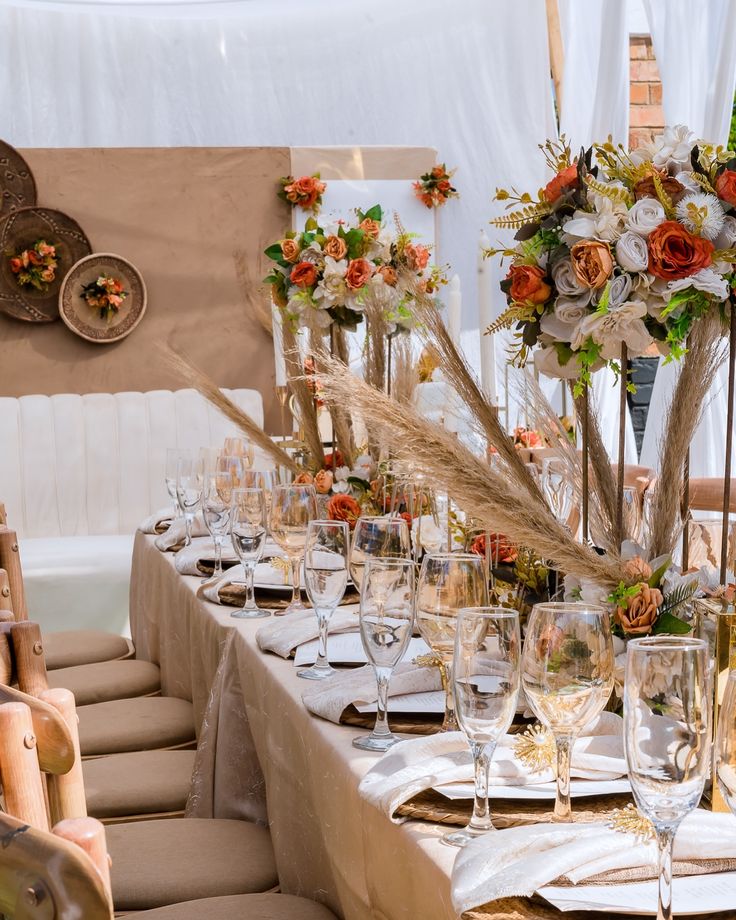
(155, 862)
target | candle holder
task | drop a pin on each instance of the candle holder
(282, 394)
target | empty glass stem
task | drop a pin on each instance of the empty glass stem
(249, 569)
(563, 810)
(665, 840)
(482, 755)
(383, 675)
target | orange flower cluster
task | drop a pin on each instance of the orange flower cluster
(305, 192)
(35, 267)
(434, 188)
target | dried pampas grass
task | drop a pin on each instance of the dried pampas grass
(499, 502)
(303, 397)
(404, 371)
(192, 376)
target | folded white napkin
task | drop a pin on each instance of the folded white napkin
(158, 521)
(331, 697)
(520, 860)
(285, 634)
(187, 558)
(210, 590)
(176, 534)
(422, 763)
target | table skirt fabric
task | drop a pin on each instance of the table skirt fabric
(263, 756)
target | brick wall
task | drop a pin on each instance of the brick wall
(646, 117)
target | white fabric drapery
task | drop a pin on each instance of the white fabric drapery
(695, 46)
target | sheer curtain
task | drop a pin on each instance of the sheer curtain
(695, 46)
(469, 78)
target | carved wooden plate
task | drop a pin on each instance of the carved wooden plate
(17, 185)
(22, 229)
(88, 321)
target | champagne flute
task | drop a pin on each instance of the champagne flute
(216, 514)
(725, 759)
(375, 537)
(667, 715)
(173, 455)
(248, 534)
(230, 473)
(386, 622)
(240, 447)
(326, 577)
(557, 489)
(486, 666)
(188, 493)
(293, 506)
(447, 583)
(567, 676)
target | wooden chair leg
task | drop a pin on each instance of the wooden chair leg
(10, 561)
(19, 769)
(6, 601)
(89, 835)
(30, 662)
(66, 790)
(6, 660)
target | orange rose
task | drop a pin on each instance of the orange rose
(640, 613)
(591, 263)
(305, 191)
(637, 570)
(726, 186)
(16, 265)
(568, 178)
(417, 256)
(645, 188)
(370, 227)
(501, 550)
(676, 253)
(527, 438)
(335, 248)
(527, 284)
(438, 172)
(358, 273)
(388, 274)
(33, 257)
(303, 479)
(339, 459)
(290, 250)
(303, 275)
(343, 508)
(323, 482)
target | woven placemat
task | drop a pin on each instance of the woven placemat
(538, 909)
(233, 595)
(434, 807)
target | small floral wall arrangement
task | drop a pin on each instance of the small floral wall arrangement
(106, 295)
(435, 188)
(36, 266)
(305, 192)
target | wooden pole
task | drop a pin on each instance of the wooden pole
(729, 442)
(30, 663)
(620, 469)
(66, 790)
(686, 513)
(556, 51)
(586, 464)
(10, 561)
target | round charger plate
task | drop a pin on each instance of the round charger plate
(86, 321)
(17, 185)
(20, 230)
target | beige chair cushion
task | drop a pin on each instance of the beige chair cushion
(143, 783)
(83, 646)
(148, 723)
(178, 859)
(242, 907)
(108, 680)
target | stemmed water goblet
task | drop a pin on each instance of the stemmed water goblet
(667, 711)
(326, 577)
(293, 506)
(567, 676)
(248, 534)
(239, 447)
(377, 537)
(447, 583)
(173, 455)
(386, 622)
(188, 492)
(216, 514)
(486, 676)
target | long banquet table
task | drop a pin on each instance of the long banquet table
(259, 748)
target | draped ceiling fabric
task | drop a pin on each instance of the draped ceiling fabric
(697, 65)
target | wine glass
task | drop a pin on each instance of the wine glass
(188, 492)
(486, 676)
(375, 537)
(173, 454)
(248, 534)
(725, 758)
(230, 473)
(239, 447)
(557, 488)
(216, 514)
(447, 583)
(667, 715)
(293, 506)
(567, 676)
(326, 577)
(207, 461)
(386, 623)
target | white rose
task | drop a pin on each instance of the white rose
(727, 237)
(631, 252)
(619, 289)
(565, 280)
(563, 321)
(645, 215)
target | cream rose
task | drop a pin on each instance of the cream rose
(563, 321)
(619, 289)
(727, 237)
(566, 282)
(644, 216)
(631, 252)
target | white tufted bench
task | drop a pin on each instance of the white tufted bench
(77, 476)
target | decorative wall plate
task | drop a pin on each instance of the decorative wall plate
(21, 230)
(17, 185)
(80, 298)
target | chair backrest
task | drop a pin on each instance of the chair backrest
(94, 464)
(707, 495)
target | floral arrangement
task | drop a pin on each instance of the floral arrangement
(528, 438)
(36, 266)
(105, 295)
(347, 493)
(305, 192)
(630, 251)
(435, 188)
(330, 274)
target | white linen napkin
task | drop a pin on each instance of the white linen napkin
(520, 860)
(285, 634)
(331, 697)
(176, 534)
(158, 521)
(412, 766)
(210, 590)
(187, 558)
